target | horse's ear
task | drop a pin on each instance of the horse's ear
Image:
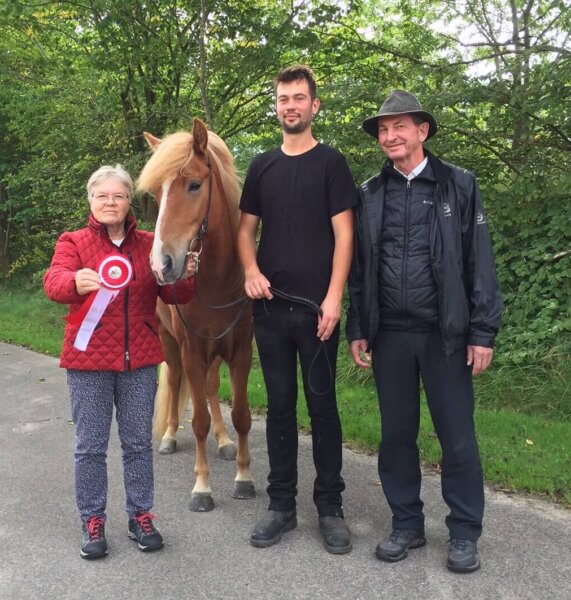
(199, 136)
(152, 140)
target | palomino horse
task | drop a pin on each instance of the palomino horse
(197, 188)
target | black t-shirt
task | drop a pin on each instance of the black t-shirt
(296, 197)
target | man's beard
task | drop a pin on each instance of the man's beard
(298, 127)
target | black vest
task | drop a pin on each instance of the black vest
(408, 297)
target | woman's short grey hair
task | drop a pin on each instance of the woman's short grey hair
(108, 172)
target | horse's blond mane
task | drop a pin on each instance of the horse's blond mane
(173, 155)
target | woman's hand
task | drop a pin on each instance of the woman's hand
(86, 281)
(190, 268)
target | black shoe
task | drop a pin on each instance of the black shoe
(463, 556)
(336, 535)
(397, 545)
(142, 530)
(268, 530)
(93, 543)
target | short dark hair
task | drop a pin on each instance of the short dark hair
(295, 73)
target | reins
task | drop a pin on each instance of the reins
(243, 301)
(317, 309)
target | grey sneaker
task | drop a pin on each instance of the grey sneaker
(463, 556)
(397, 545)
(143, 531)
(93, 543)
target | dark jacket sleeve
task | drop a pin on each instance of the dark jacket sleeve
(355, 282)
(483, 291)
(59, 280)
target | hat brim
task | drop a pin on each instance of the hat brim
(371, 125)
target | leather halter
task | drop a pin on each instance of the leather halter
(192, 251)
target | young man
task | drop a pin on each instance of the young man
(303, 194)
(425, 300)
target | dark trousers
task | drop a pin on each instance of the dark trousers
(399, 358)
(283, 331)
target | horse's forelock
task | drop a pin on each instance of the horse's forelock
(167, 161)
(171, 157)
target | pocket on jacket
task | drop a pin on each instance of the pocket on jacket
(151, 329)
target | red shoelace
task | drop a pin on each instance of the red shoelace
(94, 526)
(145, 521)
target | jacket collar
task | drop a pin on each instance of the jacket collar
(130, 226)
(440, 171)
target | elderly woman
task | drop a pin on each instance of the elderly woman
(111, 349)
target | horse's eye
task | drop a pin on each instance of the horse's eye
(194, 186)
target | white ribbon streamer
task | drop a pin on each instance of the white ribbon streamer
(101, 302)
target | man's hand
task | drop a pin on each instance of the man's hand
(331, 314)
(257, 286)
(358, 351)
(479, 357)
(86, 281)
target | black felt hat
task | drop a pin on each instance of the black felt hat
(399, 103)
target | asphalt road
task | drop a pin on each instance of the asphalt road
(525, 549)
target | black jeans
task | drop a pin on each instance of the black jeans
(398, 359)
(284, 331)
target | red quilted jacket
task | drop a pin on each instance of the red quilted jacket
(126, 337)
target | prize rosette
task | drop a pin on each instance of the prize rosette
(115, 273)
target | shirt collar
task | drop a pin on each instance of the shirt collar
(416, 171)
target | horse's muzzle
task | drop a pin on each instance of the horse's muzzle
(166, 271)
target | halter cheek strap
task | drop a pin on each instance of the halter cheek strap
(195, 246)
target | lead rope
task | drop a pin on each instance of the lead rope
(321, 348)
(243, 301)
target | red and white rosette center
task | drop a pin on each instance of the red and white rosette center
(115, 272)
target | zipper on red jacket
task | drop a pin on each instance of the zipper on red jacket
(126, 313)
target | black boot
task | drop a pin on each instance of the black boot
(268, 530)
(336, 535)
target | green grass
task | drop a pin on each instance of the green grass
(523, 418)
(536, 390)
(30, 319)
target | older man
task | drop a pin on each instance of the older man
(424, 302)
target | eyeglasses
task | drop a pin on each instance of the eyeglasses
(115, 198)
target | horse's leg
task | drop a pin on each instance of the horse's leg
(201, 496)
(170, 395)
(226, 447)
(242, 421)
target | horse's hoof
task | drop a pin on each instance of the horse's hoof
(167, 447)
(201, 502)
(228, 452)
(243, 490)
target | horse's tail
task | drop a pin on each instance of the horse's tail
(163, 400)
(161, 403)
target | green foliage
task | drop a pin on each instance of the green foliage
(534, 263)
